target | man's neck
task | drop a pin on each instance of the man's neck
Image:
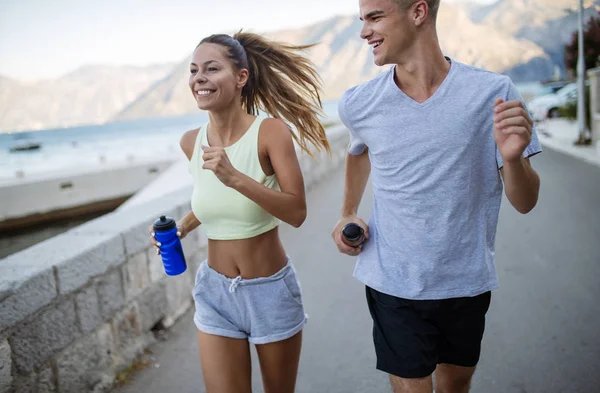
(422, 73)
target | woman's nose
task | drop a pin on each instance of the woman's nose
(199, 78)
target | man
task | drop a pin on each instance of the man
(440, 139)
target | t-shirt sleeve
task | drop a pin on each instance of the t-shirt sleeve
(534, 146)
(357, 146)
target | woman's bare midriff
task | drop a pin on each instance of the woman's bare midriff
(259, 256)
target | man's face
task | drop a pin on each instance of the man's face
(387, 28)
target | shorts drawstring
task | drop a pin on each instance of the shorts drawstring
(235, 283)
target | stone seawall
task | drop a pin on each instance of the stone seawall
(77, 309)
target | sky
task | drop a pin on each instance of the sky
(42, 39)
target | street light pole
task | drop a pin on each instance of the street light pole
(581, 80)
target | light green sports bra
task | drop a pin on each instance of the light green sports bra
(226, 214)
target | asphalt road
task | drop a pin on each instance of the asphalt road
(542, 332)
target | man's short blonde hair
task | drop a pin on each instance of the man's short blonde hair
(434, 5)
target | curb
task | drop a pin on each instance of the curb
(572, 151)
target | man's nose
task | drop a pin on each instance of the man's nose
(365, 32)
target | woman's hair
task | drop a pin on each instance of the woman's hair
(281, 83)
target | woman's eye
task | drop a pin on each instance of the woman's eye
(193, 71)
(212, 68)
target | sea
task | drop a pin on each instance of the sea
(91, 146)
(61, 150)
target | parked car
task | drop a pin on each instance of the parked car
(546, 106)
(551, 87)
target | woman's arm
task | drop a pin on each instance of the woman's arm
(187, 142)
(289, 204)
(189, 222)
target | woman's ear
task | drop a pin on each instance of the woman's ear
(242, 78)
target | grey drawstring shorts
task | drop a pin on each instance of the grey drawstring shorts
(262, 310)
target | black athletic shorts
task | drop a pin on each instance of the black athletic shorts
(412, 337)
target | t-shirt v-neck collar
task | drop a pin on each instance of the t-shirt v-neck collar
(440, 91)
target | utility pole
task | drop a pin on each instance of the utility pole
(581, 109)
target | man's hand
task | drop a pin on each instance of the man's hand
(512, 129)
(336, 234)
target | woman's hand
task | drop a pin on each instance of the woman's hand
(216, 160)
(180, 233)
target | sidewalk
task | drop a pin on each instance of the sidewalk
(560, 135)
(338, 355)
(533, 328)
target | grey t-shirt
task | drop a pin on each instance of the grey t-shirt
(436, 182)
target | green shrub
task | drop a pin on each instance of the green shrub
(569, 111)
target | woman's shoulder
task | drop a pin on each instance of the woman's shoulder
(188, 141)
(274, 133)
(274, 129)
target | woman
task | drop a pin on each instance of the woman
(247, 179)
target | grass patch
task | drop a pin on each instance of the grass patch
(126, 375)
(569, 111)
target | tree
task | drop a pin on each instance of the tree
(591, 44)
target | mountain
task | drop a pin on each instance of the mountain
(523, 39)
(520, 59)
(89, 95)
(512, 16)
(549, 24)
(343, 59)
(168, 96)
(338, 54)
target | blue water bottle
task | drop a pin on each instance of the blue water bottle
(171, 251)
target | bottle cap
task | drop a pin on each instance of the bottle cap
(352, 231)
(164, 224)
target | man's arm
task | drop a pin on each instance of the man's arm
(358, 168)
(521, 183)
(513, 131)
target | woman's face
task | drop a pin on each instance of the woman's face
(214, 80)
